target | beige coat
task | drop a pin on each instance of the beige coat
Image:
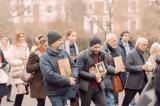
(15, 60)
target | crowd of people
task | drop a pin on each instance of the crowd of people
(80, 79)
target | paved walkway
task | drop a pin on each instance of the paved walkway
(32, 102)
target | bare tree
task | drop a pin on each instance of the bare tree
(18, 8)
(157, 2)
(110, 13)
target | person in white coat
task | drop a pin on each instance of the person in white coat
(18, 60)
(3, 76)
(6, 47)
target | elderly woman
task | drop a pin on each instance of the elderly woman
(154, 52)
(18, 60)
(37, 85)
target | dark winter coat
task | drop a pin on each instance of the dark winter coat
(110, 52)
(85, 61)
(37, 89)
(122, 49)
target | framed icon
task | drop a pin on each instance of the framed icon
(119, 65)
(100, 68)
(64, 67)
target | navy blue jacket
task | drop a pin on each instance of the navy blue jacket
(55, 84)
(122, 49)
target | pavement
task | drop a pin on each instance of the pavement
(28, 101)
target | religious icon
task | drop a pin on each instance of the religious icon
(100, 68)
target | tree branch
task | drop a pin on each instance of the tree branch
(20, 13)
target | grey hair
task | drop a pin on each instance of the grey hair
(109, 36)
(140, 40)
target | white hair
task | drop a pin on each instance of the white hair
(140, 40)
(109, 36)
(155, 47)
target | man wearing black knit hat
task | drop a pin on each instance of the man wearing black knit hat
(57, 85)
(90, 81)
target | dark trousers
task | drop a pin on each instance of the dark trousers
(157, 92)
(74, 102)
(129, 95)
(96, 95)
(18, 99)
(116, 97)
(9, 88)
(0, 100)
(40, 102)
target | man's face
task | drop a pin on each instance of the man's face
(125, 37)
(58, 45)
(143, 46)
(113, 42)
(96, 48)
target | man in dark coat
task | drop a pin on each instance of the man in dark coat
(90, 82)
(125, 47)
(135, 65)
(56, 84)
(111, 49)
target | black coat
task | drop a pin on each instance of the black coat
(110, 52)
(137, 77)
(85, 61)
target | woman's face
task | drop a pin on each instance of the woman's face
(21, 38)
(72, 37)
(43, 45)
(4, 42)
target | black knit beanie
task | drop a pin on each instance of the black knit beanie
(94, 40)
(53, 37)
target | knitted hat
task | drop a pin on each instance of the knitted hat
(53, 37)
(94, 40)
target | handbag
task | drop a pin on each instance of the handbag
(3, 77)
(117, 83)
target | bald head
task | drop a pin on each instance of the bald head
(112, 40)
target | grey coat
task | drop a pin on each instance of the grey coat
(136, 78)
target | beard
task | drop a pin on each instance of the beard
(61, 47)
